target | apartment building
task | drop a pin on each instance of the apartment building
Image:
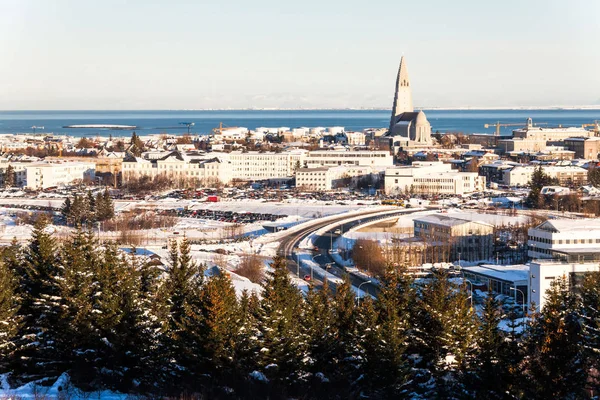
(565, 239)
(543, 272)
(332, 158)
(20, 173)
(550, 134)
(467, 240)
(566, 175)
(330, 178)
(177, 166)
(47, 175)
(432, 178)
(253, 166)
(584, 147)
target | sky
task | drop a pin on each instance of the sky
(195, 54)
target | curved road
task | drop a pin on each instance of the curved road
(324, 243)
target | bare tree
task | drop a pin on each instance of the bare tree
(251, 267)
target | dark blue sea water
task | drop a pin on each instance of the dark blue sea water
(467, 121)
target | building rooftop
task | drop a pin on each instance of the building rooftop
(508, 273)
(446, 220)
(569, 225)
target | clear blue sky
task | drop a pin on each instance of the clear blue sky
(150, 54)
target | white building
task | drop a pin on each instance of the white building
(47, 175)
(566, 239)
(330, 178)
(550, 134)
(328, 158)
(432, 178)
(252, 165)
(566, 175)
(178, 166)
(20, 173)
(543, 273)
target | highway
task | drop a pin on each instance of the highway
(324, 242)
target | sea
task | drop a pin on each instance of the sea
(204, 121)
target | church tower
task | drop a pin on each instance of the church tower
(402, 97)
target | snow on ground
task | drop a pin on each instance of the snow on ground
(520, 324)
(60, 389)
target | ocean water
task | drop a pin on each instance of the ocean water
(466, 121)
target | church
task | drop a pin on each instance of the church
(408, 128)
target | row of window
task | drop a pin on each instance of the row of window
(563, 241)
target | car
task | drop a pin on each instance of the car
(307, 277)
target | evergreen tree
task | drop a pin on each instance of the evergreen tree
(345, 349)
(489, 365)
(77, 338)
(10, 321)
(9, 177)
(36, 355)
(320, 336)
(65, 210)
(105, 209)
(446, 330)
(539, 179)
(554, 365)
(391, 373)
(91, 206)
(249, 307)
(279, 351)
(219, 327)
(183, 292)
(589, 314)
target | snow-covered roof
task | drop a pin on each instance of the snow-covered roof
(569, 225)
(447, 220)
(508, 273)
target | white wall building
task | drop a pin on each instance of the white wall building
(567, 239)
(550, 134)
(47, 175)
(328, 158)
(432, 178)
(330, 178)
(543, 273)
(521, 175)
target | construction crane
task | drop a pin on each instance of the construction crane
(188, 124)
(596, 126)
(497, 125)
(221, 128)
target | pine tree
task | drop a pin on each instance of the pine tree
(320, 337)
(489, 365)
(124, 338)
(279, 352)
(105, 209)
(77, 339)
(446, 330)
(65, 210)
(183, 292)
(393, 303)
(10, 321)
(554, 365)
(249, 306)
(589, 314)
(9, 176)
(345, 349)
(90, 207)
(219, 327)
(36, 355)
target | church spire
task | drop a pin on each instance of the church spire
(402, 95)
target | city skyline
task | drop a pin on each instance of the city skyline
(322, 56)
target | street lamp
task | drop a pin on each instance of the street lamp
(522, 296)
(298, 263)
(359, 290)
(470, 283)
